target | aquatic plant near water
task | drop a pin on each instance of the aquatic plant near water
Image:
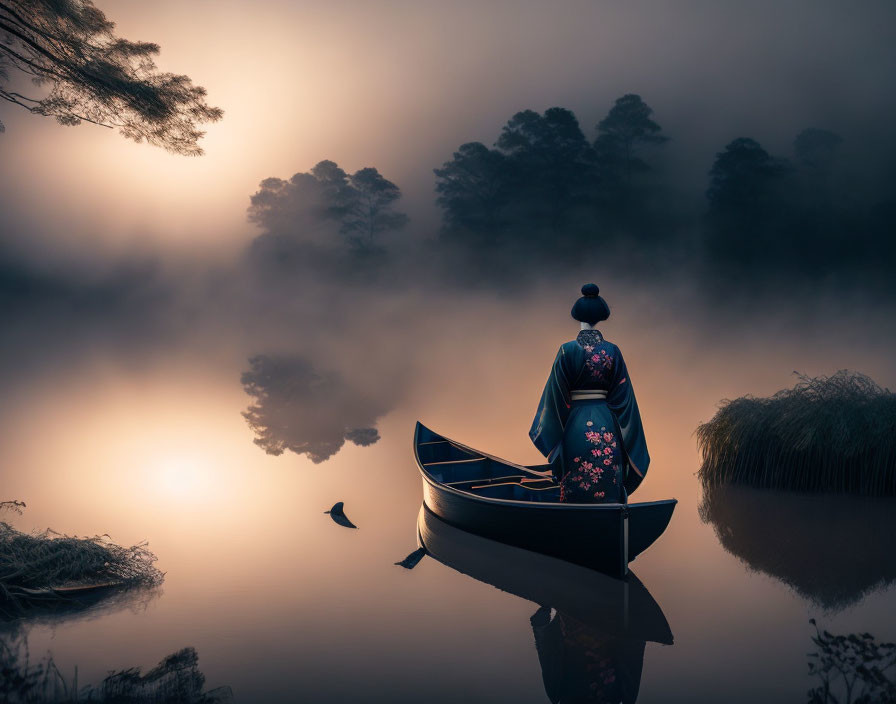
(33, 564)
(835, 433)
(175, 680)
(851, 669)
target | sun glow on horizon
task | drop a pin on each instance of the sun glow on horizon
(181, 476)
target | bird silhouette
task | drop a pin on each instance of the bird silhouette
(410, 562)
(339, 517)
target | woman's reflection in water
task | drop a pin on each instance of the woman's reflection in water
(579, 663)
(590, 629)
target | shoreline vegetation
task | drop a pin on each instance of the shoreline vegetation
(826, 434)
(851, 668)
(46, 568)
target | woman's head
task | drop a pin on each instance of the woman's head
(590, 308)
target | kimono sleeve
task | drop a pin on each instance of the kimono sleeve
(553, 410)
(622, 402)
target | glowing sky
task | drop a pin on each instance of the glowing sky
(398, 85)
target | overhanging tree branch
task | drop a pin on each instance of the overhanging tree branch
(97, 77)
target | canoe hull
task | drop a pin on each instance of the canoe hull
(604, 537)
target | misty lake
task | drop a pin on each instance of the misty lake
(245, 247)
(141, 436)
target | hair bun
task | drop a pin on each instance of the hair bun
(590, 290)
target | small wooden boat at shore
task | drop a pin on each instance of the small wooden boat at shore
(68, 591)
(57, 600)
(520, 506)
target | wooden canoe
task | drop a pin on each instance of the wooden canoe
(57, 601)
(520, 506)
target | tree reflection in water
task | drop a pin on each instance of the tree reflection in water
(831, 549)
(590, 629)
(298, 408)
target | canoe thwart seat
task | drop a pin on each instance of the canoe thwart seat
(524, 483)
(512, 480)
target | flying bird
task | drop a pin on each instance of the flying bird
(339, 517)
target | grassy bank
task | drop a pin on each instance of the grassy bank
(835, 433)
(33, 565)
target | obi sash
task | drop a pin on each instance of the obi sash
(587, 394)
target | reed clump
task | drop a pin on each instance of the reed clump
(829, 433)
(32, 565)
(177, 679)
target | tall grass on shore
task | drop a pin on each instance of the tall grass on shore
(32, 565)
(835, 433)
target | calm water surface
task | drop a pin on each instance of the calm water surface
(144, 440)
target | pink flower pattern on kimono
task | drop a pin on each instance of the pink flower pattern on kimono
(599, 363)
(589, 480)
(597, 658)
(598, 359)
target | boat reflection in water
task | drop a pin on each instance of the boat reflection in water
(590, 629)
(57, 606)
(829, 548)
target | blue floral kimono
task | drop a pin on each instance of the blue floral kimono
(588, 424)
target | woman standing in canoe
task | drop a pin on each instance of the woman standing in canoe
(588, 424)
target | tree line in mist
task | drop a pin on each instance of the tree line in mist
(545, 192)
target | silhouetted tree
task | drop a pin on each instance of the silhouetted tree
(743, 177)
(312, 208)
(745, 203)
(473, 190)
(551, 162)
(540, 183)
(800, 222)
(621, 136)
(747, 211)
(97, 77)
(277, 204)
(369, 211)
(334, 192)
